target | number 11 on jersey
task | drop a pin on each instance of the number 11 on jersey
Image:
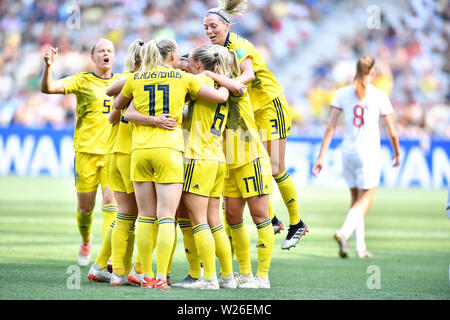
(152, 97)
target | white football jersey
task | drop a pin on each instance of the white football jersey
(362, 132)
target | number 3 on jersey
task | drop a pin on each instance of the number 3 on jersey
(358, 116)
(152, 97)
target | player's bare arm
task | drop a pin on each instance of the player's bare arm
(234, 86)
(328, 136)
(220, 95)
(116, 87)
(393, 137)
(164, 121)
(247, 71)
(47, 84)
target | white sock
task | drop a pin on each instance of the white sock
(359, 236)
(354, 217)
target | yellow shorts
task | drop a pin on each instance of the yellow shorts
(119, 173)
(160, 165)
(204, 177)
(251, 179)
(274, 120)
(90, 171)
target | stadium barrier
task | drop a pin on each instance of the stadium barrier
(425, 163)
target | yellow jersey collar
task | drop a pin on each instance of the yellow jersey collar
(227, 41)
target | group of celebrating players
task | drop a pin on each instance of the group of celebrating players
(159, 166)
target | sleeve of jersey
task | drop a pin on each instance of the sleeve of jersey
(127, 89)
(194, 84)
(385, 105)
(336, 103)
(71, 84)
(242, 49)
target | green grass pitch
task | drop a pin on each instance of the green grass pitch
(407, 231)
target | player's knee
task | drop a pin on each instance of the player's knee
(278, 167)
(259, 214)
(231, 217)
(85, 208)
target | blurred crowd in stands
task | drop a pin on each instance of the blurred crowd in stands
(412, 56)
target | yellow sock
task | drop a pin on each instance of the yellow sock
(144, 242)
(204, 241)
(164, 245)
(289, 195)
(109, 214)
(223, 250)
(130, 250)
(271, 213)
(226, 227)
(189, 248)
(84, 222)
(120, 238)
(138, 264)
(169, 267)
(264, 247)
(241, 243)
(105, 250)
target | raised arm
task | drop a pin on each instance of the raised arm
(232, 85)
(328, 136)
(217, 95)
(247, 71)
(393, 137)
(47, 84)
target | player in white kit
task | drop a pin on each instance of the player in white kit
(363, 105)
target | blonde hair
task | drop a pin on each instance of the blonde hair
(363, 67)
(155, 52)
(217, 59)
(133, 58)
(226, 8)
(97, 42)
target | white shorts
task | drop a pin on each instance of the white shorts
(361, 172)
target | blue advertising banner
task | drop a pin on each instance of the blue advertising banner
(425, 163)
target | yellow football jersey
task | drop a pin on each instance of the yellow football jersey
(123, 140)
(265, 87)
(203, 128)
(93, 106)
(242, 141)
(157, 91)
(112, 138)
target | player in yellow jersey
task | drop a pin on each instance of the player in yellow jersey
(157, 153)
(270, 107)
(248, 181)
(122, 185)
(205, 168)
(90, 136)
(120, 242)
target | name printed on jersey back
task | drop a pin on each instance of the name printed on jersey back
(157, 75)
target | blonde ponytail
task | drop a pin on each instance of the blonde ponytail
(363, 67)
(217, 59)
(133, 58)
(155, 52)
(226, 8)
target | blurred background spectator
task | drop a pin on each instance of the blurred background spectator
(311, 46)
